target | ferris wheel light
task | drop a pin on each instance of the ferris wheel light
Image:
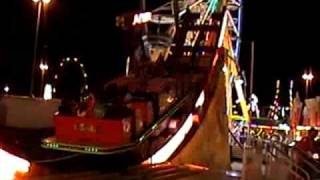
(73, 61)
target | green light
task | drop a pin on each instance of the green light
(213, 5)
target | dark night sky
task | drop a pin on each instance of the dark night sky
(282, 35)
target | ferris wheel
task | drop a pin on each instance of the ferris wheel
(71, 79)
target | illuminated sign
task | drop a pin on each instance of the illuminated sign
(142, 18)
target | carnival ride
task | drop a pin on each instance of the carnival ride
(185, 44)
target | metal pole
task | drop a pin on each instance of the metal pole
(251, 68)
(42, 82)
(35, 49)
(143, 7)
(307, 88)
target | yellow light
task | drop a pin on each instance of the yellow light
(12, 166)
(46, 1)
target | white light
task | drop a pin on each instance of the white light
(47, 95)
(292, 144)
(61, 64)
(200, 100)
(35, 1)
(141, 18)
(162, 19)
(315, 156)
(224, 69)
(299, 128)
(308, 76)
(128, 66)
(68, 59)
(56, 76)
(223, 28)
(86, 87)
(298, 138)
(44, 66)
(46, 1)
(81, 65)
(75, 59)
(168, 149)
(284, 127)
(85, 75)
(6, 89)
(13, 165)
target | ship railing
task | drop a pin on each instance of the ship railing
(166, 115)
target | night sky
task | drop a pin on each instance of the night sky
(282, 33)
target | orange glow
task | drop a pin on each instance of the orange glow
(197, 167)
(10, 165)
(168, 149)
(196, 119)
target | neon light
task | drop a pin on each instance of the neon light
(212, 5)
(223, 28)
(230, 18)
(200, 100)
(168, 149)
(240, 95)
(142, 18)
(237, 51)
(12, 165)
(290, 94)
(197, 167)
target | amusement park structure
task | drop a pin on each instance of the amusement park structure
(188, 58)
(168, 89)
